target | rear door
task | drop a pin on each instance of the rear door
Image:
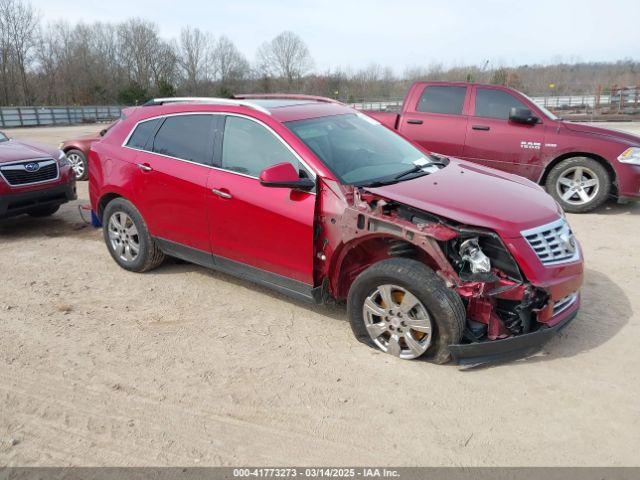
(494, 141)
(260, 232)
(173, 168)
(434, 118)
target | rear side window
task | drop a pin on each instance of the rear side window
(441, 99)
(249, 148)
(495, 103)
(188, 137)
(142, 133)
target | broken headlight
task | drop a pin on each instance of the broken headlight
(477, 254)
(471, 253)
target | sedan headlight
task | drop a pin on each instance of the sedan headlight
(630, 155)
(63, 161)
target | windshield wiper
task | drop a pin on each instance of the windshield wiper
(420, 168)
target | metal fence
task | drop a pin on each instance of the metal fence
(45, 116)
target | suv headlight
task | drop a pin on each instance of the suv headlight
(63, 161)
(630, 155)
(471, 253)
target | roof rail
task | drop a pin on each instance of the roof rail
(208, 100)
(284, 96)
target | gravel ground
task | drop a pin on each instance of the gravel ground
(184, 366)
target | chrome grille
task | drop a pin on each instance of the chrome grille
(564, 303)
(17, 174)
(553, 242)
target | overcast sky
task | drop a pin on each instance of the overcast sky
(401, 33)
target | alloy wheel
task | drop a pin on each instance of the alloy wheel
(123, 237)
(397, 322)
(77, 164)
(578, 185)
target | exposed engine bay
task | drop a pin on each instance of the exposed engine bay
(365, 228)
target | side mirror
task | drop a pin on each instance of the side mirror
(522, 115)
(283, 175)
(103, 131)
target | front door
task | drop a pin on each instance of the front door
(495, 141)
(259, 232)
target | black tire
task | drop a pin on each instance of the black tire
(604, 187)
(83, 159)
(149, 255)
(44, 211)
(444, 305)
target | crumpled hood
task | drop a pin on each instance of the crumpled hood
(477, 196)
(14, 151)
(623, 137)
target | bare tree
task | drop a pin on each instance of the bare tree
(19, 25)
(195, 50)
(228, 63)
(285, 56)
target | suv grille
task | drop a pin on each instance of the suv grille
(553, 243)
(21, 173)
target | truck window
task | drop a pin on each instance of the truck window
(495, 103)
(442, 99)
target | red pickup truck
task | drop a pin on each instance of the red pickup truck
(579, 165)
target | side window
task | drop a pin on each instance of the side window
(495, 103)
(141, 134)
(249, 148)
(189, 137)
(441, 99)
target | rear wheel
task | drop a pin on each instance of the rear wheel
(579, 184)
(128, 238)
(403, 308)
(78, 163)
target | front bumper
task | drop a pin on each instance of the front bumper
(13, 204)
(510, 348)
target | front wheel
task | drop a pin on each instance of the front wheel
(403, 308)
(579, 184)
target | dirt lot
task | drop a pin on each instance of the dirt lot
(184, 366)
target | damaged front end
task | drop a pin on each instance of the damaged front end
(508, 314)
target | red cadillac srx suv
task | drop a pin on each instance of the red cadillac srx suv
(433, 255)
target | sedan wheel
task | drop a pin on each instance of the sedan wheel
(78, 164)
(397, 322)
(578, 185)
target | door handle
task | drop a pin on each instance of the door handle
(481, 127)
(221, 193)
(145, 167)
(415, 122)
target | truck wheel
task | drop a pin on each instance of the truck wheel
(128, 238)
(579, 184)
(44, 211)
(403, 308)
(79, 164)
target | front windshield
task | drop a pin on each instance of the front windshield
(358, 149)
(3, 137)
(549, 114)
